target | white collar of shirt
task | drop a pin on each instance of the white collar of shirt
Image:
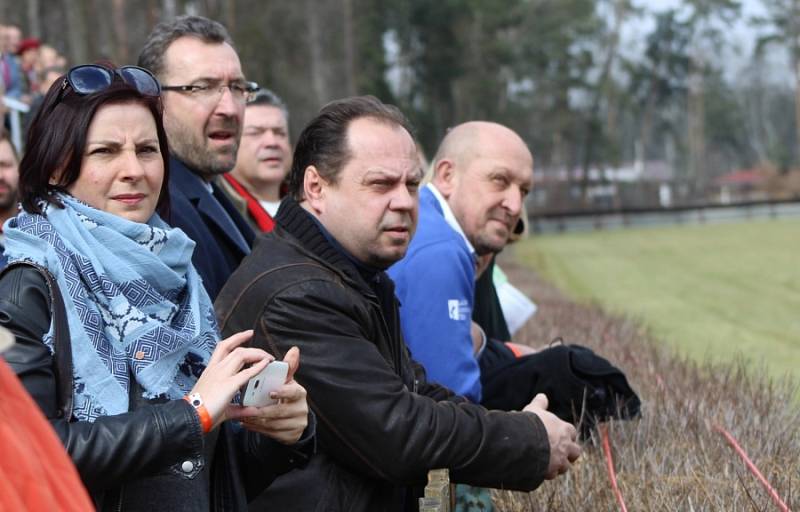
(449, 217)
(270, 206)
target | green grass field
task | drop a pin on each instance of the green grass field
(710, 290)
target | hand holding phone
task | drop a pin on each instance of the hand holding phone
(268, 380)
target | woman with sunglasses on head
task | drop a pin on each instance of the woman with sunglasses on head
(116, 337)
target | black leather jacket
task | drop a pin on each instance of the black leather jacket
(156, 449)
(381, 425)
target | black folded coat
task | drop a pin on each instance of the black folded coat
(582, 387)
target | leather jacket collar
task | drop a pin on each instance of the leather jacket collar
(297, 222)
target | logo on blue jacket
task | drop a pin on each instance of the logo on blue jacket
(458, 309)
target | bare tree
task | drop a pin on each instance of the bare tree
(784, 19)
(169, 9)
(120, 30)
(349, 47)
(316, 60)
(77, 35)
(34, 25)
(601, 92)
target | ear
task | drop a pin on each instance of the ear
(55, 177)
(444, 177)
(314, 187)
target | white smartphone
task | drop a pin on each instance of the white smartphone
(269, 379)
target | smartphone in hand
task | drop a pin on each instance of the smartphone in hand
(268, 380)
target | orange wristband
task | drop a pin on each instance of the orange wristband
(514, 349)
(196, 401)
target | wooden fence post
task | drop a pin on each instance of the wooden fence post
(437, 492)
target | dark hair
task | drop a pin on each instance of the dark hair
(57, 139)
(323, 143)
(265, 97)
(165, 33)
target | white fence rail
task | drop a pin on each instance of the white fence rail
(15, 110)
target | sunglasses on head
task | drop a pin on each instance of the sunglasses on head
(92, 78)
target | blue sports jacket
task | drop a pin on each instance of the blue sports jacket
(435, 284)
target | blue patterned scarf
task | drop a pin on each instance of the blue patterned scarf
(135, 304)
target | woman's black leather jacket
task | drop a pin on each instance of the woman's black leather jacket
(154, 438)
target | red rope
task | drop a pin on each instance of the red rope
(610, 466)
(753, 469)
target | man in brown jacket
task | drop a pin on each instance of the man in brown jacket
(255, 186)
(317, 282)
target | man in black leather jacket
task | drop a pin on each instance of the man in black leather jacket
(317, 282)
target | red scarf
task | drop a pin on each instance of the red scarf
(263, 219)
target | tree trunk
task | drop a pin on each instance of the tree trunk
(316, 62)
(601, 91)
(696, 127)
(34, 26)
(350, 68)
(77, 35)
(795, 56)
(230, 16)
(120, 31)
(169, 9)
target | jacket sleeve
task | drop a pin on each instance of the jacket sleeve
(113, 449)
(370, 422)
(264, 458)
(435, 286)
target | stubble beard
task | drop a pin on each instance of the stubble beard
(486, 242)
(8, 201)
(195, 153)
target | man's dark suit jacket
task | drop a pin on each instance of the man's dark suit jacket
(221, 245)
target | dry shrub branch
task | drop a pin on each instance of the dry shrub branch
(670, 459)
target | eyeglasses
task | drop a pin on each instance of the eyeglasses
(92, 78)
(210, 91)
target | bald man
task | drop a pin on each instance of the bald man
(481, 175)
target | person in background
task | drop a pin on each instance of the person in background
(46, 78)
(256, 185)
(28, 54)
(204, 95)
(9, 179)
(10, 72)
(50, 58)
(117, 339)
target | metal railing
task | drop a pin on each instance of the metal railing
(15, 110)
(644, 217)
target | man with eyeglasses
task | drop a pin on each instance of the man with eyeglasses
(204, 95)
